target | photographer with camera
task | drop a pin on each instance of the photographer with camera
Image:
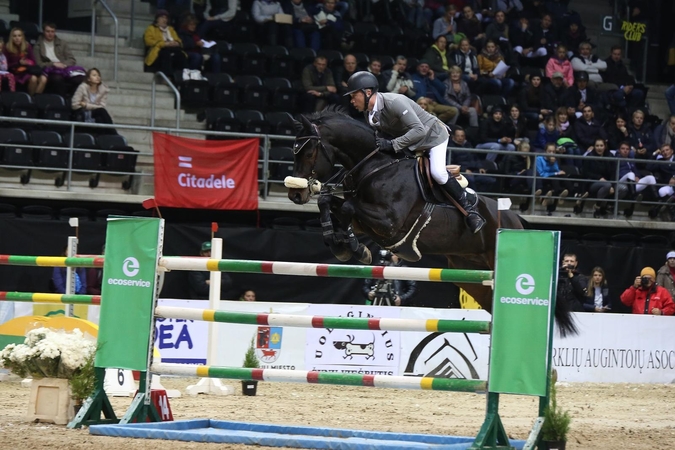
(397, 80)
(647, 297)
(389, 292)
(572, 286)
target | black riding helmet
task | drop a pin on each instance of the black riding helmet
(361, 81)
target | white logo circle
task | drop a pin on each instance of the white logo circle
(130, 267)
(525, 284)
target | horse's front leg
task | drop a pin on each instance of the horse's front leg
(346, 217)
(332, 239)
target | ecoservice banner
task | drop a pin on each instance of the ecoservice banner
(524, 295)
(133, 247)
(201, 174)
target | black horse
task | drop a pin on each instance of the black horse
(382, 199)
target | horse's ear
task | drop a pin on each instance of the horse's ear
(298, 127)
(307, 124)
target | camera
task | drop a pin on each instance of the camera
(644, 281)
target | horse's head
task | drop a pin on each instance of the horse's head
(313, 161)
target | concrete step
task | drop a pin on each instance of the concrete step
(81, 49)
(107, 27)
(123, 7)
(163, 101)
(124, 114)
(82, 37)
(106, 62)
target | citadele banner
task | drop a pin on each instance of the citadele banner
(194, 173)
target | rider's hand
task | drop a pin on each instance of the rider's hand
(385, 145)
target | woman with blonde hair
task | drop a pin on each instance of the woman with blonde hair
(21, 63)
(597, 293)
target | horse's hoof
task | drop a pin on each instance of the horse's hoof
(365, 257)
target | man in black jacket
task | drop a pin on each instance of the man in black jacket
(389, 292)
(580, 95)
(554, 93)
(572, 285)
(626, 94)
(587, 129)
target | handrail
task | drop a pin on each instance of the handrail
(40, 12)
(154, 94)
(131, 23)
(117, 32)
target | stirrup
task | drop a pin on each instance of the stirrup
(474, 221)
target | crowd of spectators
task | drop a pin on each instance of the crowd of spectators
(513, 75)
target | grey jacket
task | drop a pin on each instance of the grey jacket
(665, 279)
(61, 50)
(410, 126)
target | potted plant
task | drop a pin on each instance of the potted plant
(83, 383)
(556, 421)
(250, 387)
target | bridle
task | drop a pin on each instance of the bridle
(342, 173)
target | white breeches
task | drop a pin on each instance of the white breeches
(437, 158)
(642, 184)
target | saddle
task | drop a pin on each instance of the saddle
(430, 190)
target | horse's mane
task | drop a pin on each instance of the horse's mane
(336, 112)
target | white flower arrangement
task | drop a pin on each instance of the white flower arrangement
(49, 353)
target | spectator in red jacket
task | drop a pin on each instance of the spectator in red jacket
(647, 297)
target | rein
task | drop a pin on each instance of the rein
(342, 174)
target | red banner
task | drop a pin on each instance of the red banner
(194, 173)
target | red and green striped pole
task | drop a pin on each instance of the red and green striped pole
(311, 377)
(327, 270)
(51, 261)
(342, 323)
(37, 297)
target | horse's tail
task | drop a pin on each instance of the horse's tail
(564, 319)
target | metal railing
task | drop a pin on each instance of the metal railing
(117, 32)
(154, 98)
(267, 180)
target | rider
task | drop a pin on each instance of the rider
(412, 127)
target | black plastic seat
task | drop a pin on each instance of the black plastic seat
(279, 61)
(251, 60)
(193, 93)
(114, 161)
(223, 90)
(52, 107)
(84, 160)
(282, 95)
(252, 121)
(253, 93)
(7, 211)
(222, 119)
(15, 153)
(18, 104)
(281, 123)
(81, 213)
(37, 212)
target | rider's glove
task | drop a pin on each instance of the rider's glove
(385, 145)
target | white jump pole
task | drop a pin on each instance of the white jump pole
(70, 271)
(212, 385)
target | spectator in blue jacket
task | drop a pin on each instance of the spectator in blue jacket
(548, 133)
(59, 278)
(427, 85)
(553, 178)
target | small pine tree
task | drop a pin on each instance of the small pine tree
(250, 359)
(556, 421)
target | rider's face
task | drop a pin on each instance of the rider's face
(358, 101)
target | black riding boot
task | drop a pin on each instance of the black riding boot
(473, 219)
(628, 212)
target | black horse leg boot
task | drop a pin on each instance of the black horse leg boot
(473, 219)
